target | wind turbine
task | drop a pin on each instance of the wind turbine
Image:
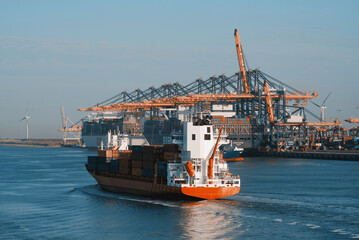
(27, 117)
(322, 107)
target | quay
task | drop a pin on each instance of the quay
(346, 155)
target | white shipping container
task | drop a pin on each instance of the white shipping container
(222, 107)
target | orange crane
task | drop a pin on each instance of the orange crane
(269, 102)
(241, 61)
(310, 124)
(190, 100)
(352, 120)
(72, 129)
(211, 159)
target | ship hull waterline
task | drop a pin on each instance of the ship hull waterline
(150, 189)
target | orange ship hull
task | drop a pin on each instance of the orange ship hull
(210, 192)
(118, 184)
(240, 159)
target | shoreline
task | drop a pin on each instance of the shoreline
(40, 143)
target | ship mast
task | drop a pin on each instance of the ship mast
(211, 159)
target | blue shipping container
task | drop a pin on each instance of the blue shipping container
(136, 148)
(92, 162)
(114, 166)
(162, 169)
(103, 167)
(148, 173)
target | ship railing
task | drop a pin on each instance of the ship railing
(214, 184)
(174, 161)
(197, 161)
(233, 129)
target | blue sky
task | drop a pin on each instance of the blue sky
(78, 53)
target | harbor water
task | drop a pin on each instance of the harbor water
(46, 193)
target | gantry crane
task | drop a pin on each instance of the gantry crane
(193, 99)
(74, 130)
(241, 61)
(267, 102)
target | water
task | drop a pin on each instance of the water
(46, 193)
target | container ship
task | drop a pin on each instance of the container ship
(191, 168)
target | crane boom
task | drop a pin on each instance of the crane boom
(63, 117)
(352, 120)
(269, 102)
(211, 159)
(241, 61)
(193, 99)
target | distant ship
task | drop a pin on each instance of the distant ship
(233, 154)
(191, 168)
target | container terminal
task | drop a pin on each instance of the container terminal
(259, 114)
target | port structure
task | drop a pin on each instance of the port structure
(70, 133)
(273, 112)
(355, 130)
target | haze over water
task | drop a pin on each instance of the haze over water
(46, 193)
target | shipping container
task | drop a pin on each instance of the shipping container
(155, 149)
(103, 167)
(102, 160)
(136, 171)
(124, 155)
(136, 156)
(136, 148)
(170, 148)
(148, 165)
(92, 162)
(102, 164)
(115, 153)
(136, 164)
(114, 166)
(162, 169)
(125, 171)
(171, 156)
(149, 157)
(108, 153)
(125, 163)
(148, 173)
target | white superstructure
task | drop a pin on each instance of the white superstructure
(198, 146)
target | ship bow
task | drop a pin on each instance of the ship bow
(210, 192)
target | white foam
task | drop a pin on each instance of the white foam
(97, 192)
(278, 220)
(312, 226)
(340, 231)
(356, 236)
(293, 223)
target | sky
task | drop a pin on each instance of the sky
(78, 53)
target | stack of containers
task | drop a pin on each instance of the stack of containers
(162, 169)
(108, 153)
(171, 152)
(114, 166)
(103, 164)
(92, 162)
(106, 161)
(136, 162)
(125, 163)
(151, 155)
